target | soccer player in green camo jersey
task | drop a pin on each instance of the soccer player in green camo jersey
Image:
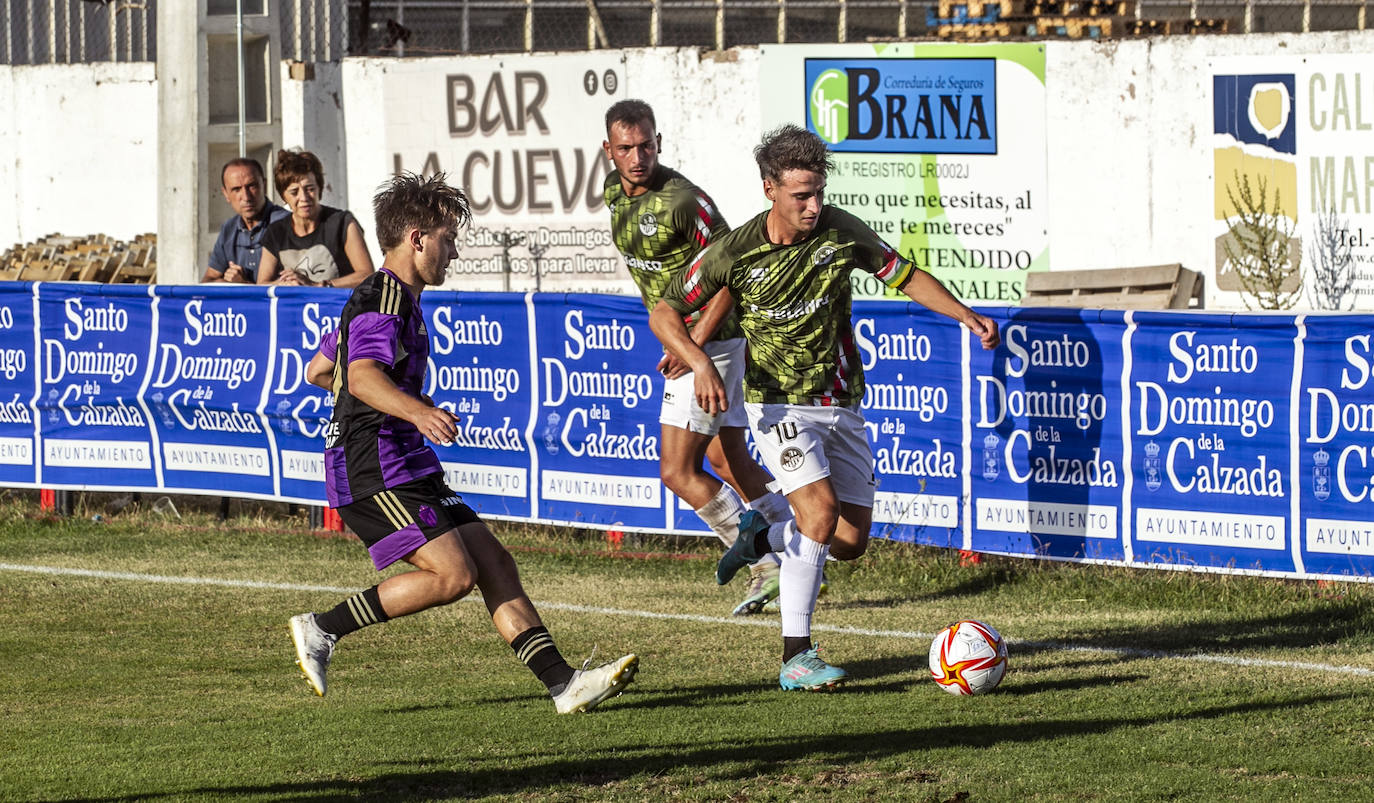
(788, 270)
(660, 221)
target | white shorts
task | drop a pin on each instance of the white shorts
(680, 408)
(801, 444)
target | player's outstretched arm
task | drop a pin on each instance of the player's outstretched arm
(927, 291)
(672, 333)
(370, 385)
(712, 316)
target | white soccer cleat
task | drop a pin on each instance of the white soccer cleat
(314, 648)
(590, 687)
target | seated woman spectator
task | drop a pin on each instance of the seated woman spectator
(318, 245)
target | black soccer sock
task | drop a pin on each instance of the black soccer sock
(358, 611)
(535, 648)
(793, 646)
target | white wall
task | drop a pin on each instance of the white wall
(1130, 146)
(78, 151)
(707, 108)
(313, 119)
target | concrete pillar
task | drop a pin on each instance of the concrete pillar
(313, 119)
(198, 112)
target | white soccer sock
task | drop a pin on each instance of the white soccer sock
(722, 514)
(800, 582)
(779, 534)
(773, 506)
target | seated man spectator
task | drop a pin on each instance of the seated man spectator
(239, 245)
(317, 245)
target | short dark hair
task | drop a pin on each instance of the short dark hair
(292, 166)
(242, 161)
(629, 112)
(791, 147)
(407, 201)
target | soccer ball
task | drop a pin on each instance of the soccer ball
(968, 658)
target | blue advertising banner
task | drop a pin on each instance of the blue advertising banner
(1213, 441)
(209, 367)
(1046, 432)
(479, 370)
(1209, 441)
(913, 369)
(595, 426)
(93, 359)
(297, 412)
(18, 379)
(1333, 466)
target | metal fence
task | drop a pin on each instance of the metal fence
(76, 31)
(424, 27)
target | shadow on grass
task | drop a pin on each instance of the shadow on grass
(713, 761)
(981, 583)
(865, 675)
(1326, 624)
(1015, 689)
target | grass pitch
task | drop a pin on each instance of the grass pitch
(143, 681)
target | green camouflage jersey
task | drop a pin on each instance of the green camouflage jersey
(794, 304)
(660, 231)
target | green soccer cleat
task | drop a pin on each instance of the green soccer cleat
(741, 553)
(807, 672)
(763, 589)
(591, 687)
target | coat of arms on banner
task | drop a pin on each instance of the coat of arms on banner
(1321, 475)
(551, 433)
(991, 466)
(162, 411)
(1153, 479)
(284, 422)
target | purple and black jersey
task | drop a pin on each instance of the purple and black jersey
(367, 451)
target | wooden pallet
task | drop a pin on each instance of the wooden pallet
(1075, 27)
(984, 10)
(1151, 287)
(1078, 8)
(975, 31)
(1164, 27)
(96, 258)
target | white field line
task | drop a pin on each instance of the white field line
(915, 635)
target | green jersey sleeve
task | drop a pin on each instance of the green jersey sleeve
(873, 254)
(694, 212)
(694, 287)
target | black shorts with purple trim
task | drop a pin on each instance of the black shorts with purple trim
(400, 520)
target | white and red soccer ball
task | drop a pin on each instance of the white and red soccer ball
(968, 658)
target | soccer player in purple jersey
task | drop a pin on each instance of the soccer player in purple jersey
(387, 483)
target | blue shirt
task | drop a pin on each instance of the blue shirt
(242, 245)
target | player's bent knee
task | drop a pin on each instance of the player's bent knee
(675, 477)
(454, 585)
(842, 551)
